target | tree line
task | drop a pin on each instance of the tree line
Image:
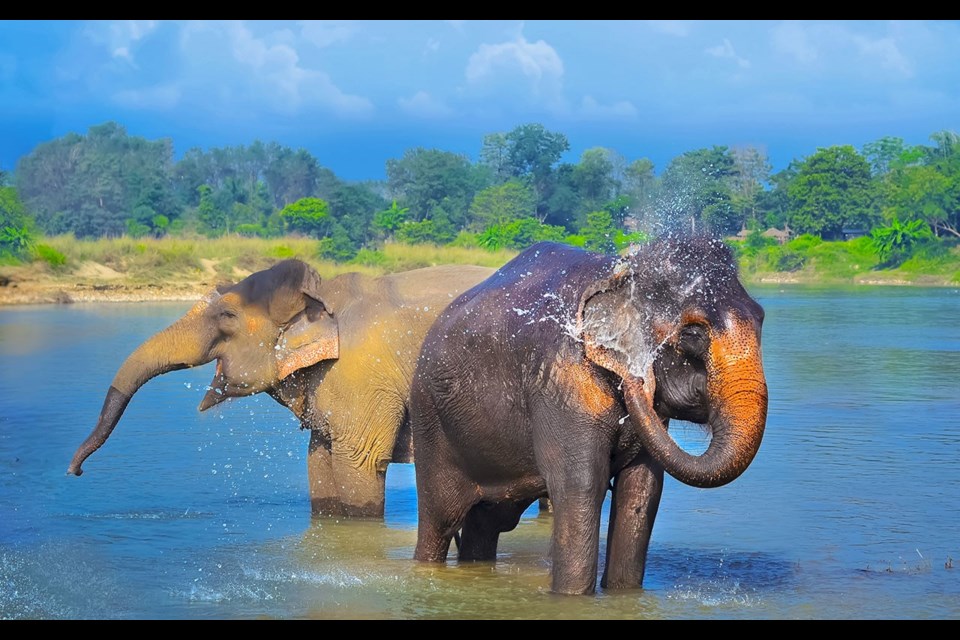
(519, 191)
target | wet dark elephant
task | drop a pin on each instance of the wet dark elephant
(340, 354)
(559, 374)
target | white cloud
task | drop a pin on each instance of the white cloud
(621, 109)
(119, 37)
(679, 28)
(159, 97)
(535, 64)
(885, 51)
(792, 39)
(842, 46)
(276, 67)
(725, 50)
(423, 105)
(324, 33)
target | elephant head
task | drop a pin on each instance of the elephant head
(675, 323)
(259, 331)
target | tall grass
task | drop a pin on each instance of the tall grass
(805, 259)
(232, 257)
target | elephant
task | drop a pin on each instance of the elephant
(559, 376)
(340, 354)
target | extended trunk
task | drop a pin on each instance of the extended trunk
(181, 345)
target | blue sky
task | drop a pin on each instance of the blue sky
(356, 93)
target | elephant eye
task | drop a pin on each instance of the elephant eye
(694, 339)
(228, 321)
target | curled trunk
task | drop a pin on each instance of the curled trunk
(738, 411)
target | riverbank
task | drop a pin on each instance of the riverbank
(131, 270)
(134, 270)
(94, 282)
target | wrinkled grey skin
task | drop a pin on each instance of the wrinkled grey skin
(339, 354)
(559, 374)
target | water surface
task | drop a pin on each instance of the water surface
(850, 509)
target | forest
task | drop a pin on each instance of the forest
(900, 201)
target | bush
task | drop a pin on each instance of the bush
(425, 232)
(248, 230)
(804, 242)
(49, 255)
(465, 239)
(369, 258)
(136, 229)
(337, 246)
(786, 259)
(755, 243)
(15, 240)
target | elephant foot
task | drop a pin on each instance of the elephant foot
(369, 510)
(326, 508)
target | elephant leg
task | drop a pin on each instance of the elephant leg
(636, 499)
(361, 491)
(444, 497)
(438, 520)
(575, 545)
(324, 496)
(545, 507)
(483, 526)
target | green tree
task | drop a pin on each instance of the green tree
(89, 185)
(310, 216)
(213, 219)
(832, 190)
(751, 173)
(922, 192)
(883, 154)
(600, 232)
(17, 237)
(495, 154)
(532, 153)
(501, 203)
(12, 210)
(338, 246)
(519, 234)
(389, 220)
(293, 175)
(562, 203)
(640, 186)
(691, 183)
(594, 181)
(426, 178)
(934, 187)
(773, 204)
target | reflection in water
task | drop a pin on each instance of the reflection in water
(848, 511)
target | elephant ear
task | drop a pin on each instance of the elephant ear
(616, 331)
(288, 289)
(312, 336)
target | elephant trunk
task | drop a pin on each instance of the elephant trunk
(179, 346)
(738, 399)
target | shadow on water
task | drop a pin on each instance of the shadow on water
(721, 579)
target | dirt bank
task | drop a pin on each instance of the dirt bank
(92, 282)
